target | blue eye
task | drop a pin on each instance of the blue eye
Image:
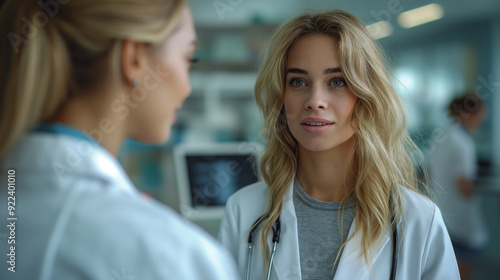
(338, 82)
(297, 82)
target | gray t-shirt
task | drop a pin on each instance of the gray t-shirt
(319, 229)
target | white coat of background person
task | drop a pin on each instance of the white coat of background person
(96, 73)
(453, 169)
(339, 182)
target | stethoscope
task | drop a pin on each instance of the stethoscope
(276, 239)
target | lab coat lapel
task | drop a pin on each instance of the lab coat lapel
(352, 263)
(287, 259)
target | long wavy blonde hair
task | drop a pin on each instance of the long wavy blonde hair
(52, 48)
(384, 152)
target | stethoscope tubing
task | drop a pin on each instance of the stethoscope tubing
(276, 238)
(271, 261)
(249, 260)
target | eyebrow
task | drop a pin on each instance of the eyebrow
(302, 71)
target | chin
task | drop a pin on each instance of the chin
(322, 145)
(154, 139)
(162, 139)
(316, 147)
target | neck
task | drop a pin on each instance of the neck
(327, 175)
(94, 119)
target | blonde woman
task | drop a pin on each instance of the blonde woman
(339, 199)
(77, 78)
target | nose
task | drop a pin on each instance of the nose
(316, 99)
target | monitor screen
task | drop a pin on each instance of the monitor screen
(213, 178)
(207, 175)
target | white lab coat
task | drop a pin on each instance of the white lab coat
(425, 251)
(452, 158)
(79, 217)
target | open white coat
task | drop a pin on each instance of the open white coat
(79, 217)
(425, 248)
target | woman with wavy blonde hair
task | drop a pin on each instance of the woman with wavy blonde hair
(339, 178)
(77, 78)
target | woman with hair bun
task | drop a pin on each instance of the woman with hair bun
(340, 197)
(77, 78)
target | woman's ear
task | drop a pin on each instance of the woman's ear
(133, 61)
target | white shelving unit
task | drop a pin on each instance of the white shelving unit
(221, 107)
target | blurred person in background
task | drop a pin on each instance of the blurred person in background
(453, 169)
(77, 78)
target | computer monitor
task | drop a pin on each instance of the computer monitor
(206, 175)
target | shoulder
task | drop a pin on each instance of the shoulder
(245, 206)
(458, 138)
(256, 190)
(91, 219)
(253, 196)
(425, 239)
(445, 140)
(416, 203)
(421, 214)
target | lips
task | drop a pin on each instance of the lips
(316, 125)
(316, 121)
